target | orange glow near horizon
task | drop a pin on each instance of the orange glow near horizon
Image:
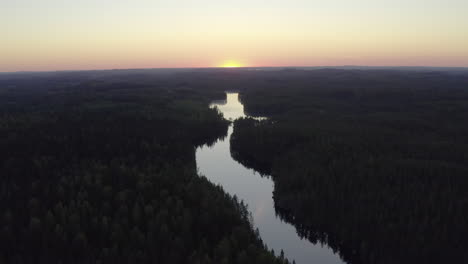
(52, 35)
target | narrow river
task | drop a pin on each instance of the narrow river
(219, 167)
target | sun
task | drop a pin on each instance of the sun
(231, 64)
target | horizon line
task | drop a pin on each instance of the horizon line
(230, 68)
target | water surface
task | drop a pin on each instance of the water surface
(219, 167)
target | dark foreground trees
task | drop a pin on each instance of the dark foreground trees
(374, 166)
(104, 172)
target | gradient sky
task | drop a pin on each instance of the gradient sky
(107, 34)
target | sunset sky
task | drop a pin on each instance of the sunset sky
(108, 34)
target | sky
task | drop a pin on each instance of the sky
(43, 35)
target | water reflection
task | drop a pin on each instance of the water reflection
(231, 107)
(219, 167)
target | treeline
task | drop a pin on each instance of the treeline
(374, 167)
(97, 170)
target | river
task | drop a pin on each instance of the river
(219, 167)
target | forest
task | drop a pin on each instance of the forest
(99, 167)
(371, 162)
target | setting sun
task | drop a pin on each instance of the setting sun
(231, 64)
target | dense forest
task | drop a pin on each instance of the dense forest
(371, 162)
(99, 167)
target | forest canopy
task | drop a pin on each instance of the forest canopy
(99, 167)
(371, 162)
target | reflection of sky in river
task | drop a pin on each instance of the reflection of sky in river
(218, 166)
(231, 108)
